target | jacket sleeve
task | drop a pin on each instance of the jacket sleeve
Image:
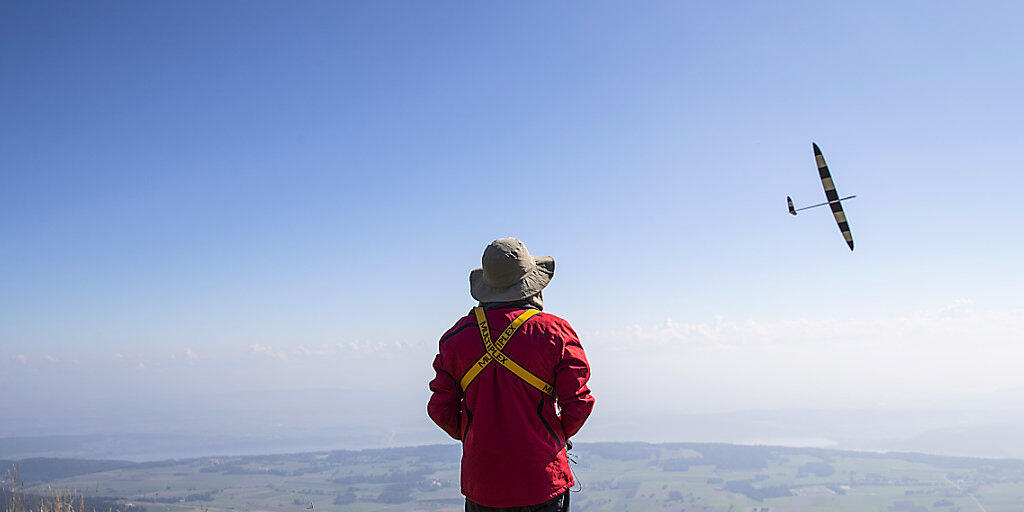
(445, 403)
(571, 375)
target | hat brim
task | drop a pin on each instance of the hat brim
(531, 284)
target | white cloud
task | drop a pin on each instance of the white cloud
(363, 347)
(954, 324)
(724, 363)
(329, 350)
(268, 351)
(321, 350)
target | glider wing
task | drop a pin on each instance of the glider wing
(833, 196)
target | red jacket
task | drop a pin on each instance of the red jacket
(513, 438)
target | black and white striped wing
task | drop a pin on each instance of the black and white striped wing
(833, 196)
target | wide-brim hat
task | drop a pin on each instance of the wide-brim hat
(509, 273)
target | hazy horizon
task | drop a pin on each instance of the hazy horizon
(255, 221)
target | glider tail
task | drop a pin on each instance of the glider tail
(789, 202)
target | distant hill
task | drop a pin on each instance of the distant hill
(48, 469)
(39, 502)
(614, 476)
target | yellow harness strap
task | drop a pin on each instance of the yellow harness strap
(494, 352)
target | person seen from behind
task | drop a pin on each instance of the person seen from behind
(511, 384)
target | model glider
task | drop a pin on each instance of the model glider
(834, 201)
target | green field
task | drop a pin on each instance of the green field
(615, 476)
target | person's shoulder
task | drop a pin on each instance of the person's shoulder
(460, 326)
(554, 324)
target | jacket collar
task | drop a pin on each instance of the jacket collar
(519, 304)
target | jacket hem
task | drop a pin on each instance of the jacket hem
(496, 504)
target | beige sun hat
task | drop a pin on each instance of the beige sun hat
(509, 272)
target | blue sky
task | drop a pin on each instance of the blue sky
(218, 177)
